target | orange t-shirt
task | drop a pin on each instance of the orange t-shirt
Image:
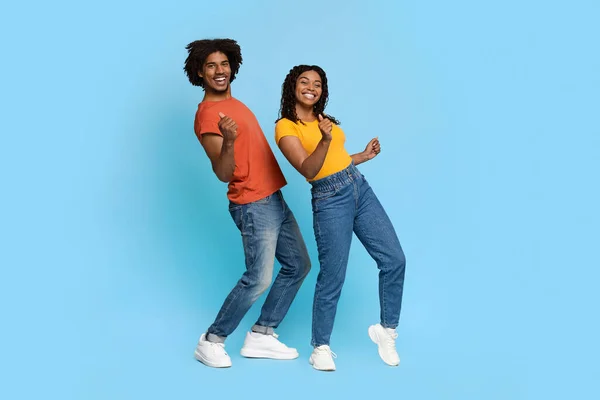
(257, 173)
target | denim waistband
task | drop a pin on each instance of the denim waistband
(277, 195)
(336, 180)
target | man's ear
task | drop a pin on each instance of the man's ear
(200, 74)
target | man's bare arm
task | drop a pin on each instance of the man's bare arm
(220, 152)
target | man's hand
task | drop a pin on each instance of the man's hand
(228, 128)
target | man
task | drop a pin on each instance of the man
(241, 156)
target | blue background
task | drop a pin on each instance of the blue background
(118, 250)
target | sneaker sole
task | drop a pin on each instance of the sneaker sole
(204, 361)
(251, 353)
(375, 339)
(311, 362)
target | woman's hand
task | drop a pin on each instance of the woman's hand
(325, 126)
(372, 149)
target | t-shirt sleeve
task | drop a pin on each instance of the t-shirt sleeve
(205, 122)
(285, 127)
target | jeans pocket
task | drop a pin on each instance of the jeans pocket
(234, 206)
(243, 219)
(319, 195)
(236, 215)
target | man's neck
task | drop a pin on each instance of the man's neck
(217, 96)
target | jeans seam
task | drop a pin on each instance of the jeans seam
(318, 288)
(383, 290)
(267, 321)
(251, 242)
(356, 197)
(279, 302)
(248, 248)
(226, 311)
(282, 295)
(317, 292)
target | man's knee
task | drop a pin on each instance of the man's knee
(263, 284)
(305, 266)
(257, 283)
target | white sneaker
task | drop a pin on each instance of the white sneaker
(385, 339)
(212, 354)
(258, 345)
(322, 358)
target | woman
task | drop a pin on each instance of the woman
(342, 203)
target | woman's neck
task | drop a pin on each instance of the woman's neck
(305, 114)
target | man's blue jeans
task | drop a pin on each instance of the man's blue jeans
(344, 203)
(269, 230)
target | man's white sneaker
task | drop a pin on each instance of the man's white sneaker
(322, 358)
(212, 354)
(258, 345)
(385, 339)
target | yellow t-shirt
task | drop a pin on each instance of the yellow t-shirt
(337, 157)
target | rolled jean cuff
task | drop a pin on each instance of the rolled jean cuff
(265, 330)
(211, 337)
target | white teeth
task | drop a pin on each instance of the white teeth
(309, 96)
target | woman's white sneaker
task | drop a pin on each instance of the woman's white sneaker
(322, 358)
(212, 354)
(258, 345)
(385, 339)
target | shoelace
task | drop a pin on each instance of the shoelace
(215, 345)
(391, 340)
(328, 350)
(276, 343)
